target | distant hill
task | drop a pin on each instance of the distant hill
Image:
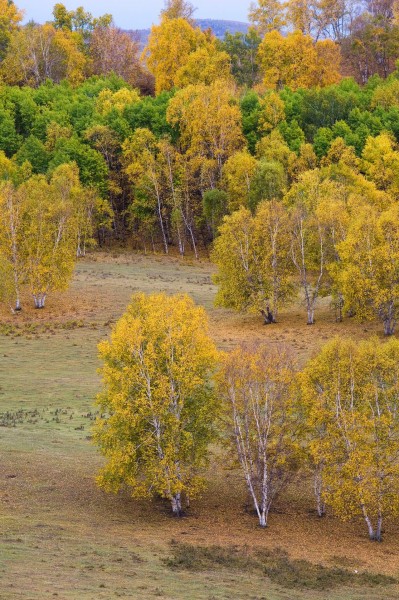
(219, 28)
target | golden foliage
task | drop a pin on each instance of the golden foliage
(351, 395)
(297, 62)
(157, 403)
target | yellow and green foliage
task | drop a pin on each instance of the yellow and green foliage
(252, 256)
(368, 273)
(157, 400)
(351, 396)
(218, 135)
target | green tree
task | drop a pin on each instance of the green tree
(242, 49)
(215, 206)
(158, 400)
(269, 181)
(79, 21)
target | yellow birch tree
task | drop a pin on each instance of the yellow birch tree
(351, 397)
(255, 386)
(158, 406)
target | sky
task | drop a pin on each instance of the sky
(135, 14)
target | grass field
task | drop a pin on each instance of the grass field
(61, 537)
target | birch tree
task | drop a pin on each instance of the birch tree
(368, 272)
(310, 242)
(351, 395)
(49, 226)
(145, 172)
(11, 237)
(209, 122)
(252, 256)
(254, 384)
(158, 406)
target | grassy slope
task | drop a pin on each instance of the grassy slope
(62, 537)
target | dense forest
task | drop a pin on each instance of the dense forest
(293, 125)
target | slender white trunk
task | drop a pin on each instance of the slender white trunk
(374, 534)
(378, 536)
(318, 487)
(310, 311)
(263, 518)
(17, 303)
(39, 300)
(176, 505)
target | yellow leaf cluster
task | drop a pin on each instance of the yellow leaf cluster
(296, 61)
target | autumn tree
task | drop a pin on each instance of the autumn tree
(238, 173)
(114, 51)
(368, 273)
(324, 18)
(157, 403)
(79, 21)
(371, 46)
(10, 17)
(297, 62)
(311, 244)
(40, 52)
(266, 16)
(350, 395)
(380, 163)
(141, 153)
(214, 138)
(52, 226)
(169, 46)
(271, 112)
(204, 66)
(43, 227)
(108, 100)
(11, 236)
(252, 256)
(13, 268)
(254, 384)
(178, 9)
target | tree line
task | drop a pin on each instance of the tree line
(45, 225)
(288, 132)
(334, 233)
(168, 393)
